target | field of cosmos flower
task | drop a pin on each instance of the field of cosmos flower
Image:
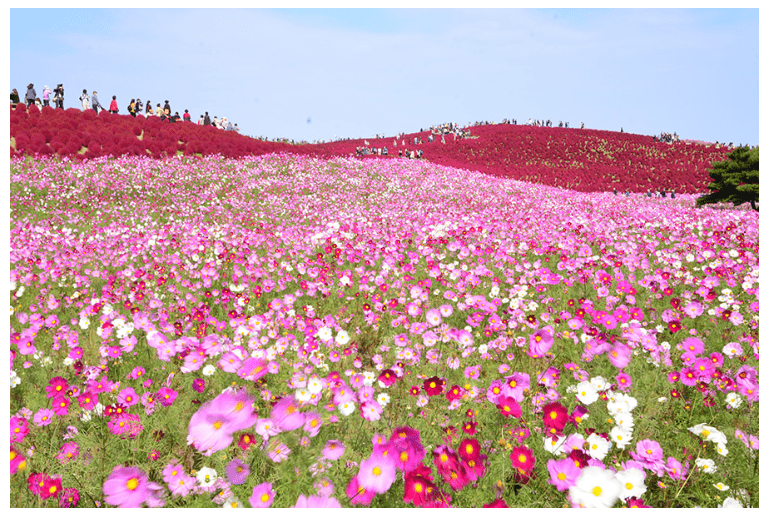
(284, 330)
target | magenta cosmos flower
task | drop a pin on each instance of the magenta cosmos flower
(126, 487)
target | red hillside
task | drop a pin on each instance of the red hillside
(580, 159)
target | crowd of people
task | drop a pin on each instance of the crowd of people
(657, 193)
(135, 107)
(667, 137)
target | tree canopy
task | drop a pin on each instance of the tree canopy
(735, 180)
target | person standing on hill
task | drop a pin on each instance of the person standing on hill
(201, 120)
(85, 100)
(46, 96)
(131, 107)
(31, 95)
(207, 119)
(149, 111)
(138, 106)
(113, 108)
(167, 108)
(95, 103)
(58, 96)
(14, 97)
(159, 112)
(186, 115)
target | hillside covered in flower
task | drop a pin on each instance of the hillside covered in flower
(576, 159)
(308, 330)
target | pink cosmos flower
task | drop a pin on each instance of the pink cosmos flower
(377, 473)
(262, 496)
(68, 452)
(126, 487)
(279, 452)
(286, 414)
(43, 417)
(676, 470)
(563, 473)
(371, 410)
(237, 471)
(19, 429)
(333, 450)
(516, 384)
(693, 344)
(57, 387)
(620, 355)
(312, 423)
(128, 397)
(207, 430)
(229, 362)
(359, 495)
(166, 396)
(69, 497)
(61, 406)
(688, 376)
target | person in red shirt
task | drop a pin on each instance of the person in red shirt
(113, 105)
(186, 115)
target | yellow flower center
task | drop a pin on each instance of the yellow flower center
(596, 491)
(132, 484)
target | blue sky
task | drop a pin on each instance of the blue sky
(359, 72)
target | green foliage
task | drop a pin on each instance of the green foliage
(736, 180)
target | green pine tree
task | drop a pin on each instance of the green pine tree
(735, 180)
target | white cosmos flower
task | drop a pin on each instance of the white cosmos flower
(206, 477)
(208, 370)
(325, 333)
(722, 449)
(600, 383)
(555, 444)
(733, 399)
(586, 392)
(342, 338)
(302, 395)
(84, 323)
(314, 385)
(632, 483)
(595, 488)
(599, 447)
(383, 399)
(706, 465)
(621, 437)
(15, 380)
(347, 408)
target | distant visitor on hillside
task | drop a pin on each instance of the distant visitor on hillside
(31, 95)
(14, 97)
(207, 119)
(138, 106)
(149, 110)
(113, 108)
(186, 115)
(85, 100)
(95, 103)
(46, 96)
(167, 108)
(58, 96)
